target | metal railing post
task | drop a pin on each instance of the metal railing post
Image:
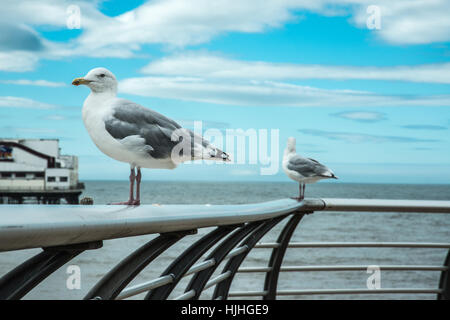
(444, 281)
(182, 264)
(110, 286)
(222, 289)
(22, 279)
(271, 281)
(200, 279)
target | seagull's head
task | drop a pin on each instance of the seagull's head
(99, 80)
(291, 145)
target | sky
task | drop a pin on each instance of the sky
(364, 86)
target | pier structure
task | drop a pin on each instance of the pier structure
(34, 170)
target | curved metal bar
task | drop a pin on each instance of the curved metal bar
(200, 279)
(183, 263)
(222, 289)
(22, 279)
(110, 286)
(270, 283)
(444, 281)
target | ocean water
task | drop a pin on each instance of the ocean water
(320, 226)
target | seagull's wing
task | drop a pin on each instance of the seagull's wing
(307, 167)
(141, 129)
(146, 131)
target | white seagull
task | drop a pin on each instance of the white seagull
(303, 170)
(131, 133)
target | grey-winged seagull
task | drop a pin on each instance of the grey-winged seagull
(303, 170)
(131, 133)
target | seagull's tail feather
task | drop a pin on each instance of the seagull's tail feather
(217, 154)
(202, 149)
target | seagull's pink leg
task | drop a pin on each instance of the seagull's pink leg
(131, 197)
(300, 195)
(137, 201)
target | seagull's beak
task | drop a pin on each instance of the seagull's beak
(78, 81)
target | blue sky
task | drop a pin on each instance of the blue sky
(372, 104)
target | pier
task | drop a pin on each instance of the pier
(71, 196)
(33, 170)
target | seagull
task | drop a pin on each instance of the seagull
(131, 133)
(303, 170)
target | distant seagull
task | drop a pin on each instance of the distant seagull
(131, 133)
(303, 170)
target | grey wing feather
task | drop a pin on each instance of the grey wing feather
(131, 119)
(307, 167)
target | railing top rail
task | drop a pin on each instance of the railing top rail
(377, 205)
(31, 226)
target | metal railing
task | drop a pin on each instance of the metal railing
(64, 232)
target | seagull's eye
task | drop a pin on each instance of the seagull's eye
(101, 75)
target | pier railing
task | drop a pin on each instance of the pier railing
(64, 232)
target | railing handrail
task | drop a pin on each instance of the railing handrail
(377, 205)
(31, 226)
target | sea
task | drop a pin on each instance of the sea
(92, 265)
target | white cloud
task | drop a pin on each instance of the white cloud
(361, 116)
(39, 83)
(17, 61)
(407, 21)
(51, 13)
(216, 79)
(55, 117)
(354, 137)
(19, 102)
(180, 23)
(214, 66)
(266, 93)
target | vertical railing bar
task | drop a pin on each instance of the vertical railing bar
(200, 279)
(233, 264)
(276, 258)
(444, 281)
(183, 263)
(22, 279)
(110, 286)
